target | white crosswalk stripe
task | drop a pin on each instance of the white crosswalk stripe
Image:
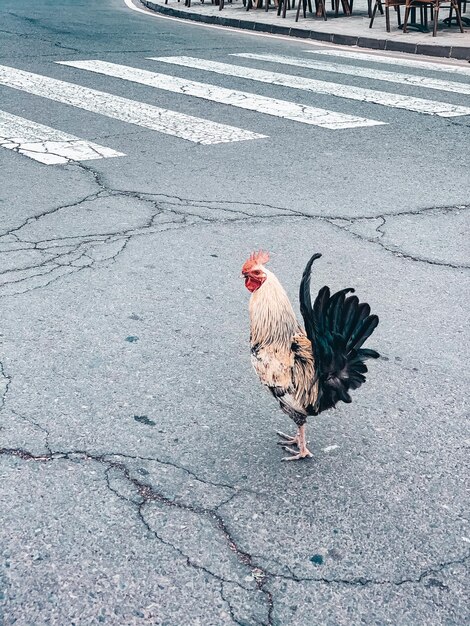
(52, 146)
(180, 125)
(363, 72)
(47, 145)
(393, 100)
(401, 61)
(241, 99)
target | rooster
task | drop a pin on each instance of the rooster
(307, 371)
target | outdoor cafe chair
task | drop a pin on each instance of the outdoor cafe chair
(435, 6)
(319, 7)
(396, 4)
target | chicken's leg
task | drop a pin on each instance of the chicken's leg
(300, 441)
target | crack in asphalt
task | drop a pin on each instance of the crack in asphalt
(148, 494)
(181, 219)
(380, 226)
(5, 383)
(230, 607)
(7, 379)
(364, 582)
(178, 212)
(37, 426)
(261, 575)
(205, 481)
(396, 251)
(254, 621)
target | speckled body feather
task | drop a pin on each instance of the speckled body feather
(281, 352)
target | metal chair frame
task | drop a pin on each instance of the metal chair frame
(319, 5)
(435, 6)
(396, 4)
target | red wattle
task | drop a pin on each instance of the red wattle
(252, 284)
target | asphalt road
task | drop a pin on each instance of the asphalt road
(140, 478)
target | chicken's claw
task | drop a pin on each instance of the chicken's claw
(299, 440)
(287, 439)
(287, 449)
(303, 454)
(284, 436)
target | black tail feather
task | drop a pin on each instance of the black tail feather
(350, 311)
(320, 306)
(335, 309)
(366, 353)
(363, 331)
(337, 325)
(305, 297)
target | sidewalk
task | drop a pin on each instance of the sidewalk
(352, 31)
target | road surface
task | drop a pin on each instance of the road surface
(142, 160)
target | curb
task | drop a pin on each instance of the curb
(451, 52)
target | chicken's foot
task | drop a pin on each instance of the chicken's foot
(287, 439)
(301, 442)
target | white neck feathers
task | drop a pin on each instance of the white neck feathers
(271, 314)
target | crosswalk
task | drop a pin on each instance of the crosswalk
(52, 146)
(232, 97)
(398, 101)
(162, 120)
(337, 68)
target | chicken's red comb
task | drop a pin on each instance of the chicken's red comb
(256, 258)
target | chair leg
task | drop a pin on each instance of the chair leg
(405, 20)
(373, 14)
(297, 13)
(457, 13)
(436, 14)
(387, 18)
(310, 8)
(399, 16)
